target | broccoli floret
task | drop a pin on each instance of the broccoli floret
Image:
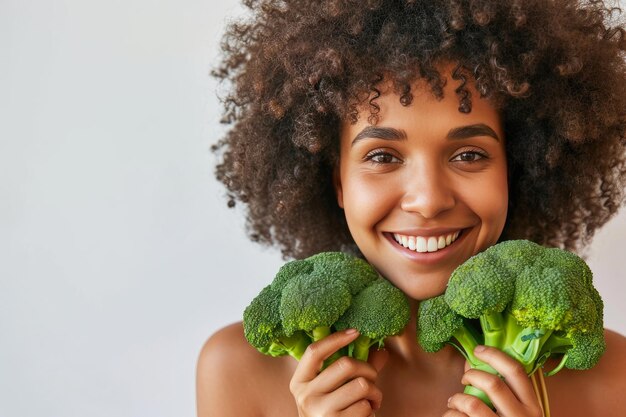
(374, 319)
(313, 303)
(530, 302)
(263, 327)
(355, 272)
(289, 271)
(307, 299)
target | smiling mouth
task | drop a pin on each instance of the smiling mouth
(424, 244)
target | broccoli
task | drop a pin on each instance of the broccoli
(378, 311)
(311, 298)
(529, 301)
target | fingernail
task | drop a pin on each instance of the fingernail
(479, 348)
(449, 399)
(351, 331)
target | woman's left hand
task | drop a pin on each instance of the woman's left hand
(512, 395)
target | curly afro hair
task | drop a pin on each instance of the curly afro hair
(295, 69)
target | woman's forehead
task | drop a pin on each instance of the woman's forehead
(425, 107)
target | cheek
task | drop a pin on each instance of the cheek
(490, 203)
(367, 200)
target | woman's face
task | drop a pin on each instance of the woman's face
(425, 188)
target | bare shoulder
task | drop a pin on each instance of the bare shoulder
(236, 380)
(610, 372)
(615, 356)
(597, 391)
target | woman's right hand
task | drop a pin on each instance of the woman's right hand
(346, 388)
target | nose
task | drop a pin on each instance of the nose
(427, 193)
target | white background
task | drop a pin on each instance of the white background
(118, 256)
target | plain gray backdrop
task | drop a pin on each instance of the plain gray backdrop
(118, 256)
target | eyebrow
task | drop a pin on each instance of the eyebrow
(375, 132)
(470, 131)
(390, 133)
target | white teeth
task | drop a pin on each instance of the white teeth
(432, 244)
(420, 244)
(426, 244)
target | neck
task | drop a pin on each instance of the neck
(405, 349)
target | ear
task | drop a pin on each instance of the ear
(337, 184)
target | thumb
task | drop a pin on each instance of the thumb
(378, 358)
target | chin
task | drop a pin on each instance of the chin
(422, 289)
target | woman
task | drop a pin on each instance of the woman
(387, 129)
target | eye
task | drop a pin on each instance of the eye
(470, 156)
(380, 156)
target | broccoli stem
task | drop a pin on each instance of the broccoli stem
(526, 345)
(494, 327)
(556, 344)
(319, 333)
(465, 337)
(294, 345)
(361, 348)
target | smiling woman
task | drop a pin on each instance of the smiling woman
(416, 134)
(423, 172)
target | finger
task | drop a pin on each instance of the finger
(354, 391)
(314, 356)
(496, 389)
(512, 372)
(470, 405)
(340, 372)
(359, 409)
(454, 413)
(378, 358)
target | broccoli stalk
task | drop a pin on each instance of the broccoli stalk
(528, 301)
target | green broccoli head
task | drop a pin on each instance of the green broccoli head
(555, 293)
(263, 327)
(380, 310)
(485, 283)
(261, 319)
(319, 289)
(532, 302)
(313, 301)
(586, 350)
(307, 297)
(581, 345)
(516, 255)
(355, 272)
(436, 323)
(289, 271)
